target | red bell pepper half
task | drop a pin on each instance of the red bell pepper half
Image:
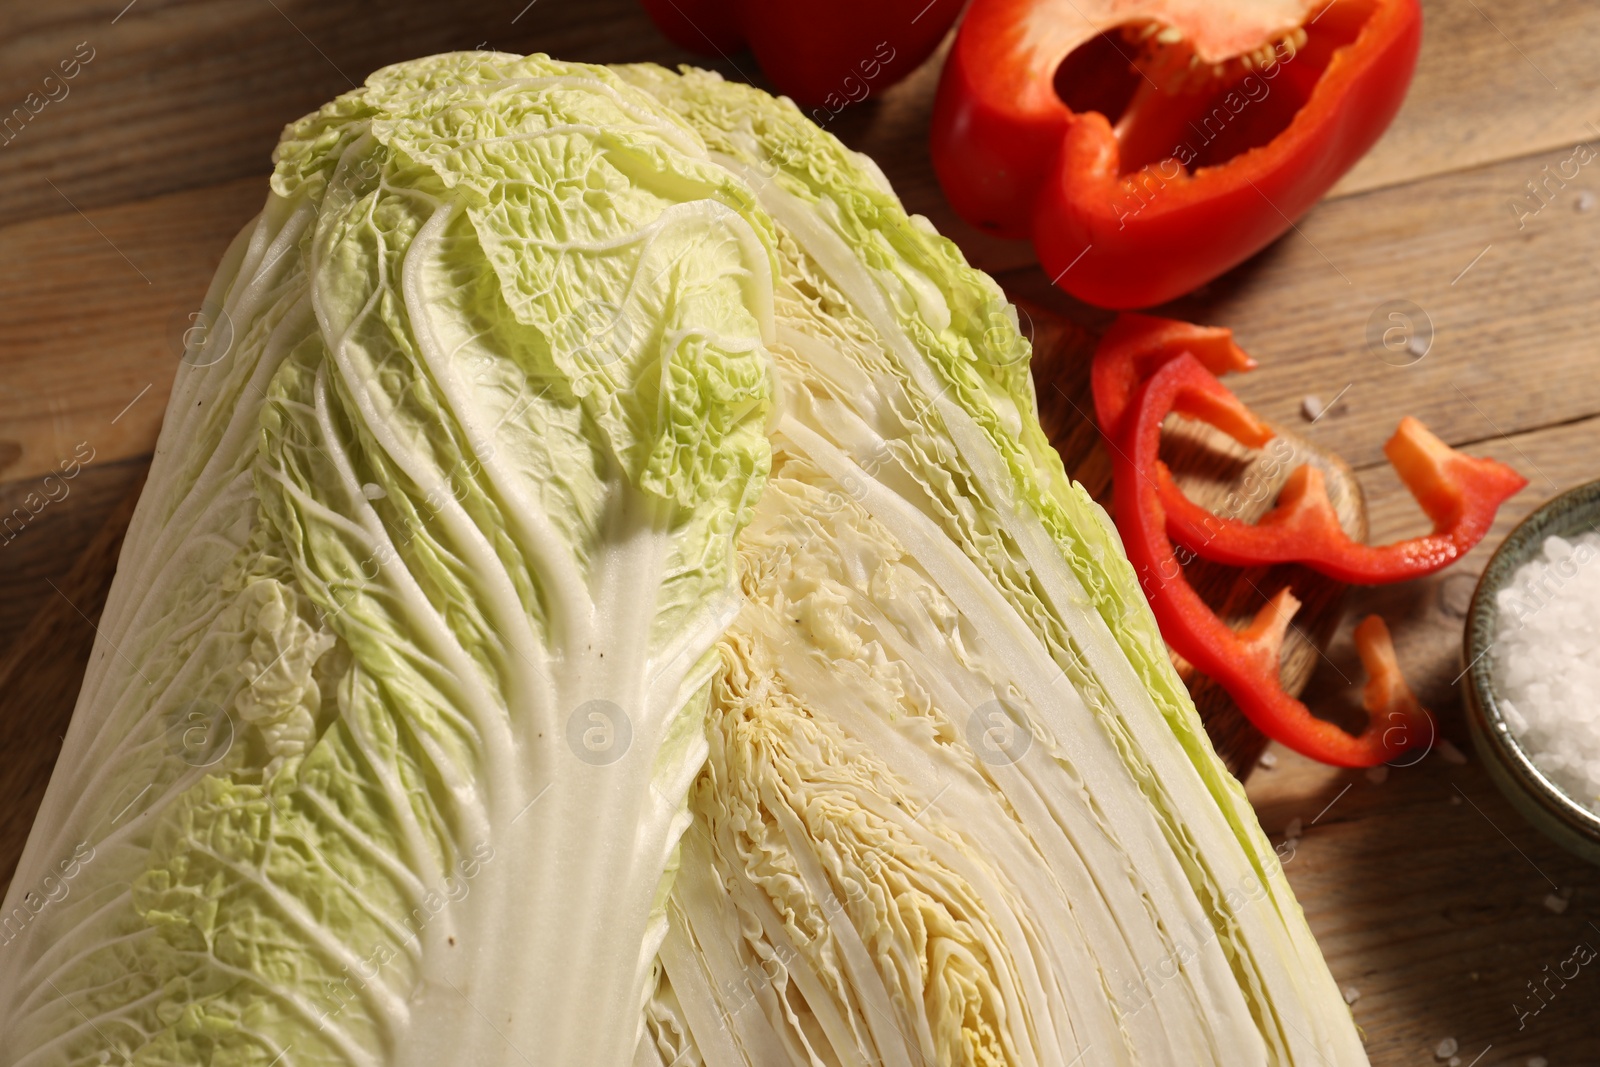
(1149, 145)
(1245, 663)
(1460, 493)
(823, 53)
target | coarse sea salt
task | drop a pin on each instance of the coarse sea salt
(1547, 662)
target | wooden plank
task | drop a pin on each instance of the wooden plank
(1496, 79)
(41, 673)
(93, 312)
(1433, 910)
(37, 549)
(148, 262)
(180, 95)
(1384, 925)
(1424, 905)
(52, 398)
(1510, 310)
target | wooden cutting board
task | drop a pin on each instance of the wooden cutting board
(42, 673)
(1211, 468)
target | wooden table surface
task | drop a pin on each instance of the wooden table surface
(1428, 893)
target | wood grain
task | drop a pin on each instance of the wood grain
(36, 550)
(40, 674)
(1499, 299)
(187, 94)
(1497, 79)
(183, 95)
(93, 311)
(1432, 908)
(1494, 366)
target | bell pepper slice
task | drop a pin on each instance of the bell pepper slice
(1386, 696)
(1147, 146)
(1460, 493)
(1135, 345)
(1245, 664)
(825, 54)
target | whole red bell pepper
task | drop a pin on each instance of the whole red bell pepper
(823, 53)
(1149, 145)
(1244, 663)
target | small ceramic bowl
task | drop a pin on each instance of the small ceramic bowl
(1540, 800)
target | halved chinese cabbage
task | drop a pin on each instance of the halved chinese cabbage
(603, 597)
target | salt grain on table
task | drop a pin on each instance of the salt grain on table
(1547, 662)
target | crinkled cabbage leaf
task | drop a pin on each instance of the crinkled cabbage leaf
(603, 597)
